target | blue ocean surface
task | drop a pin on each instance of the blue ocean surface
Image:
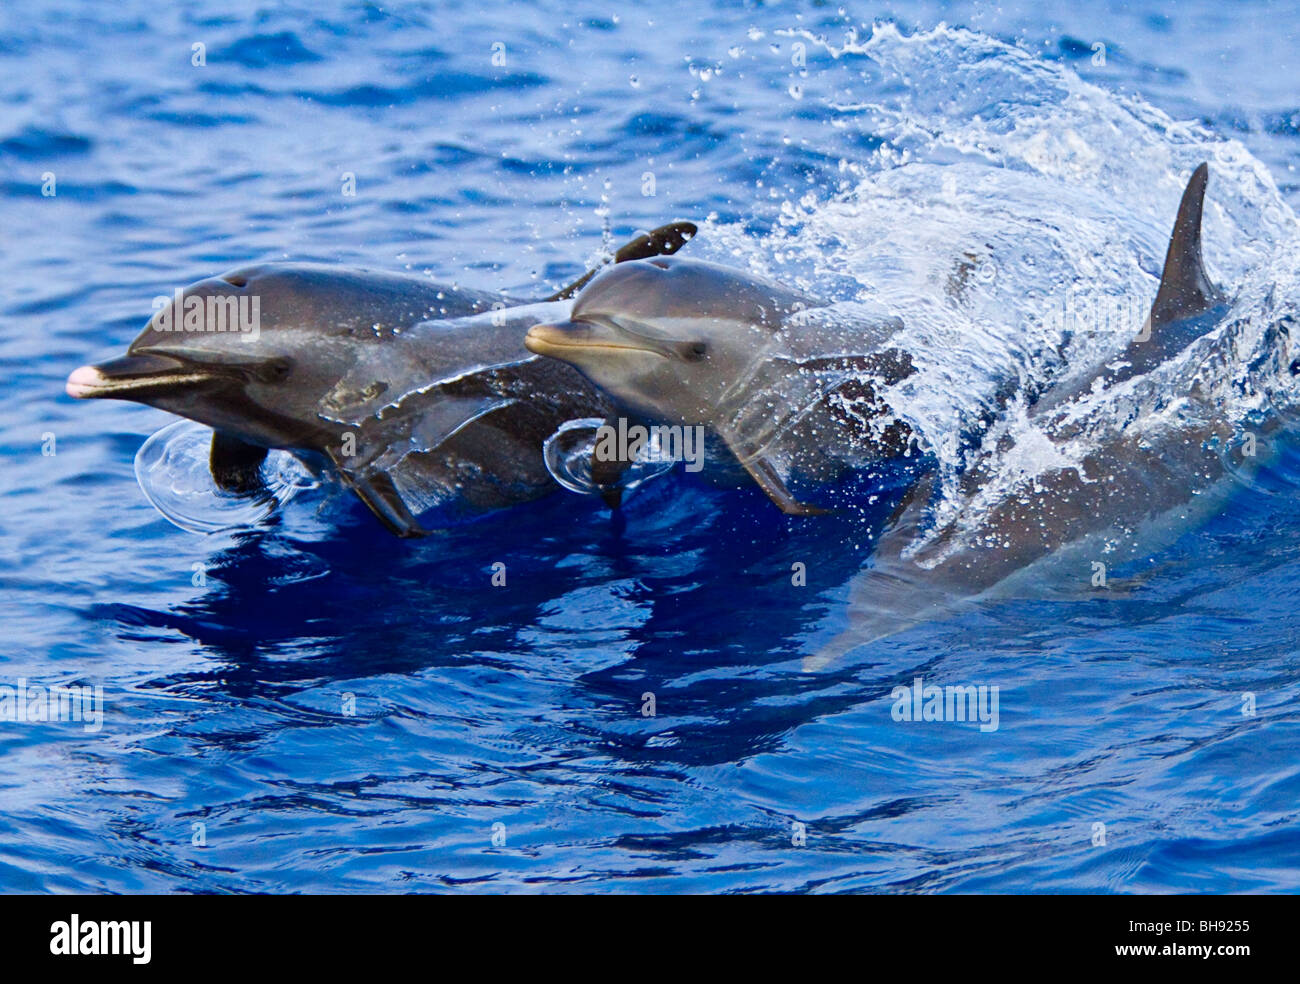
(312, 705)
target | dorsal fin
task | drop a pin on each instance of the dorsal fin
(1185, 290)
(663, 241)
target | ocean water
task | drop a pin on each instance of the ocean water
(311, 705)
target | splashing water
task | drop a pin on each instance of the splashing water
(1015, 217)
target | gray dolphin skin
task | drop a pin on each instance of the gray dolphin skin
(690, 343)
(1131, 490)
(413, 393)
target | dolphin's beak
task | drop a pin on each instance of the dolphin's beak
(554, 340)
(132, 377)
(570, 339)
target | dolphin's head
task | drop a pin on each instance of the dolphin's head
(667, 337)
(255, 350)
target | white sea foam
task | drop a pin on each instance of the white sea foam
(1005, 191)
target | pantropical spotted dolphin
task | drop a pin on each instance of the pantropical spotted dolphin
(1077, 483)
(415, 394)
(775, 373)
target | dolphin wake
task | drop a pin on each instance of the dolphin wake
(1015, 217)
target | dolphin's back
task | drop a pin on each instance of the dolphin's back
(389, 298)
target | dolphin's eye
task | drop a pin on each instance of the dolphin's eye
(275, 370)
(697, 351)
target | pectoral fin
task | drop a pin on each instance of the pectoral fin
(608, 476)
(612, 497)
(236, 465)
(762, 472)
(381, 498)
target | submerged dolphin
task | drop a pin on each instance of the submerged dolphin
(413, 393)
(690, 343)
(1113, 488)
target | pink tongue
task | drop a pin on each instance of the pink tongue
(84, 381)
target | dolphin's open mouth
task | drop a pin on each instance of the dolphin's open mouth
(561, 341)
(134, 376)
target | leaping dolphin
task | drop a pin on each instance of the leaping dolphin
(1111, 489)
(413, 393)
(687, 343)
